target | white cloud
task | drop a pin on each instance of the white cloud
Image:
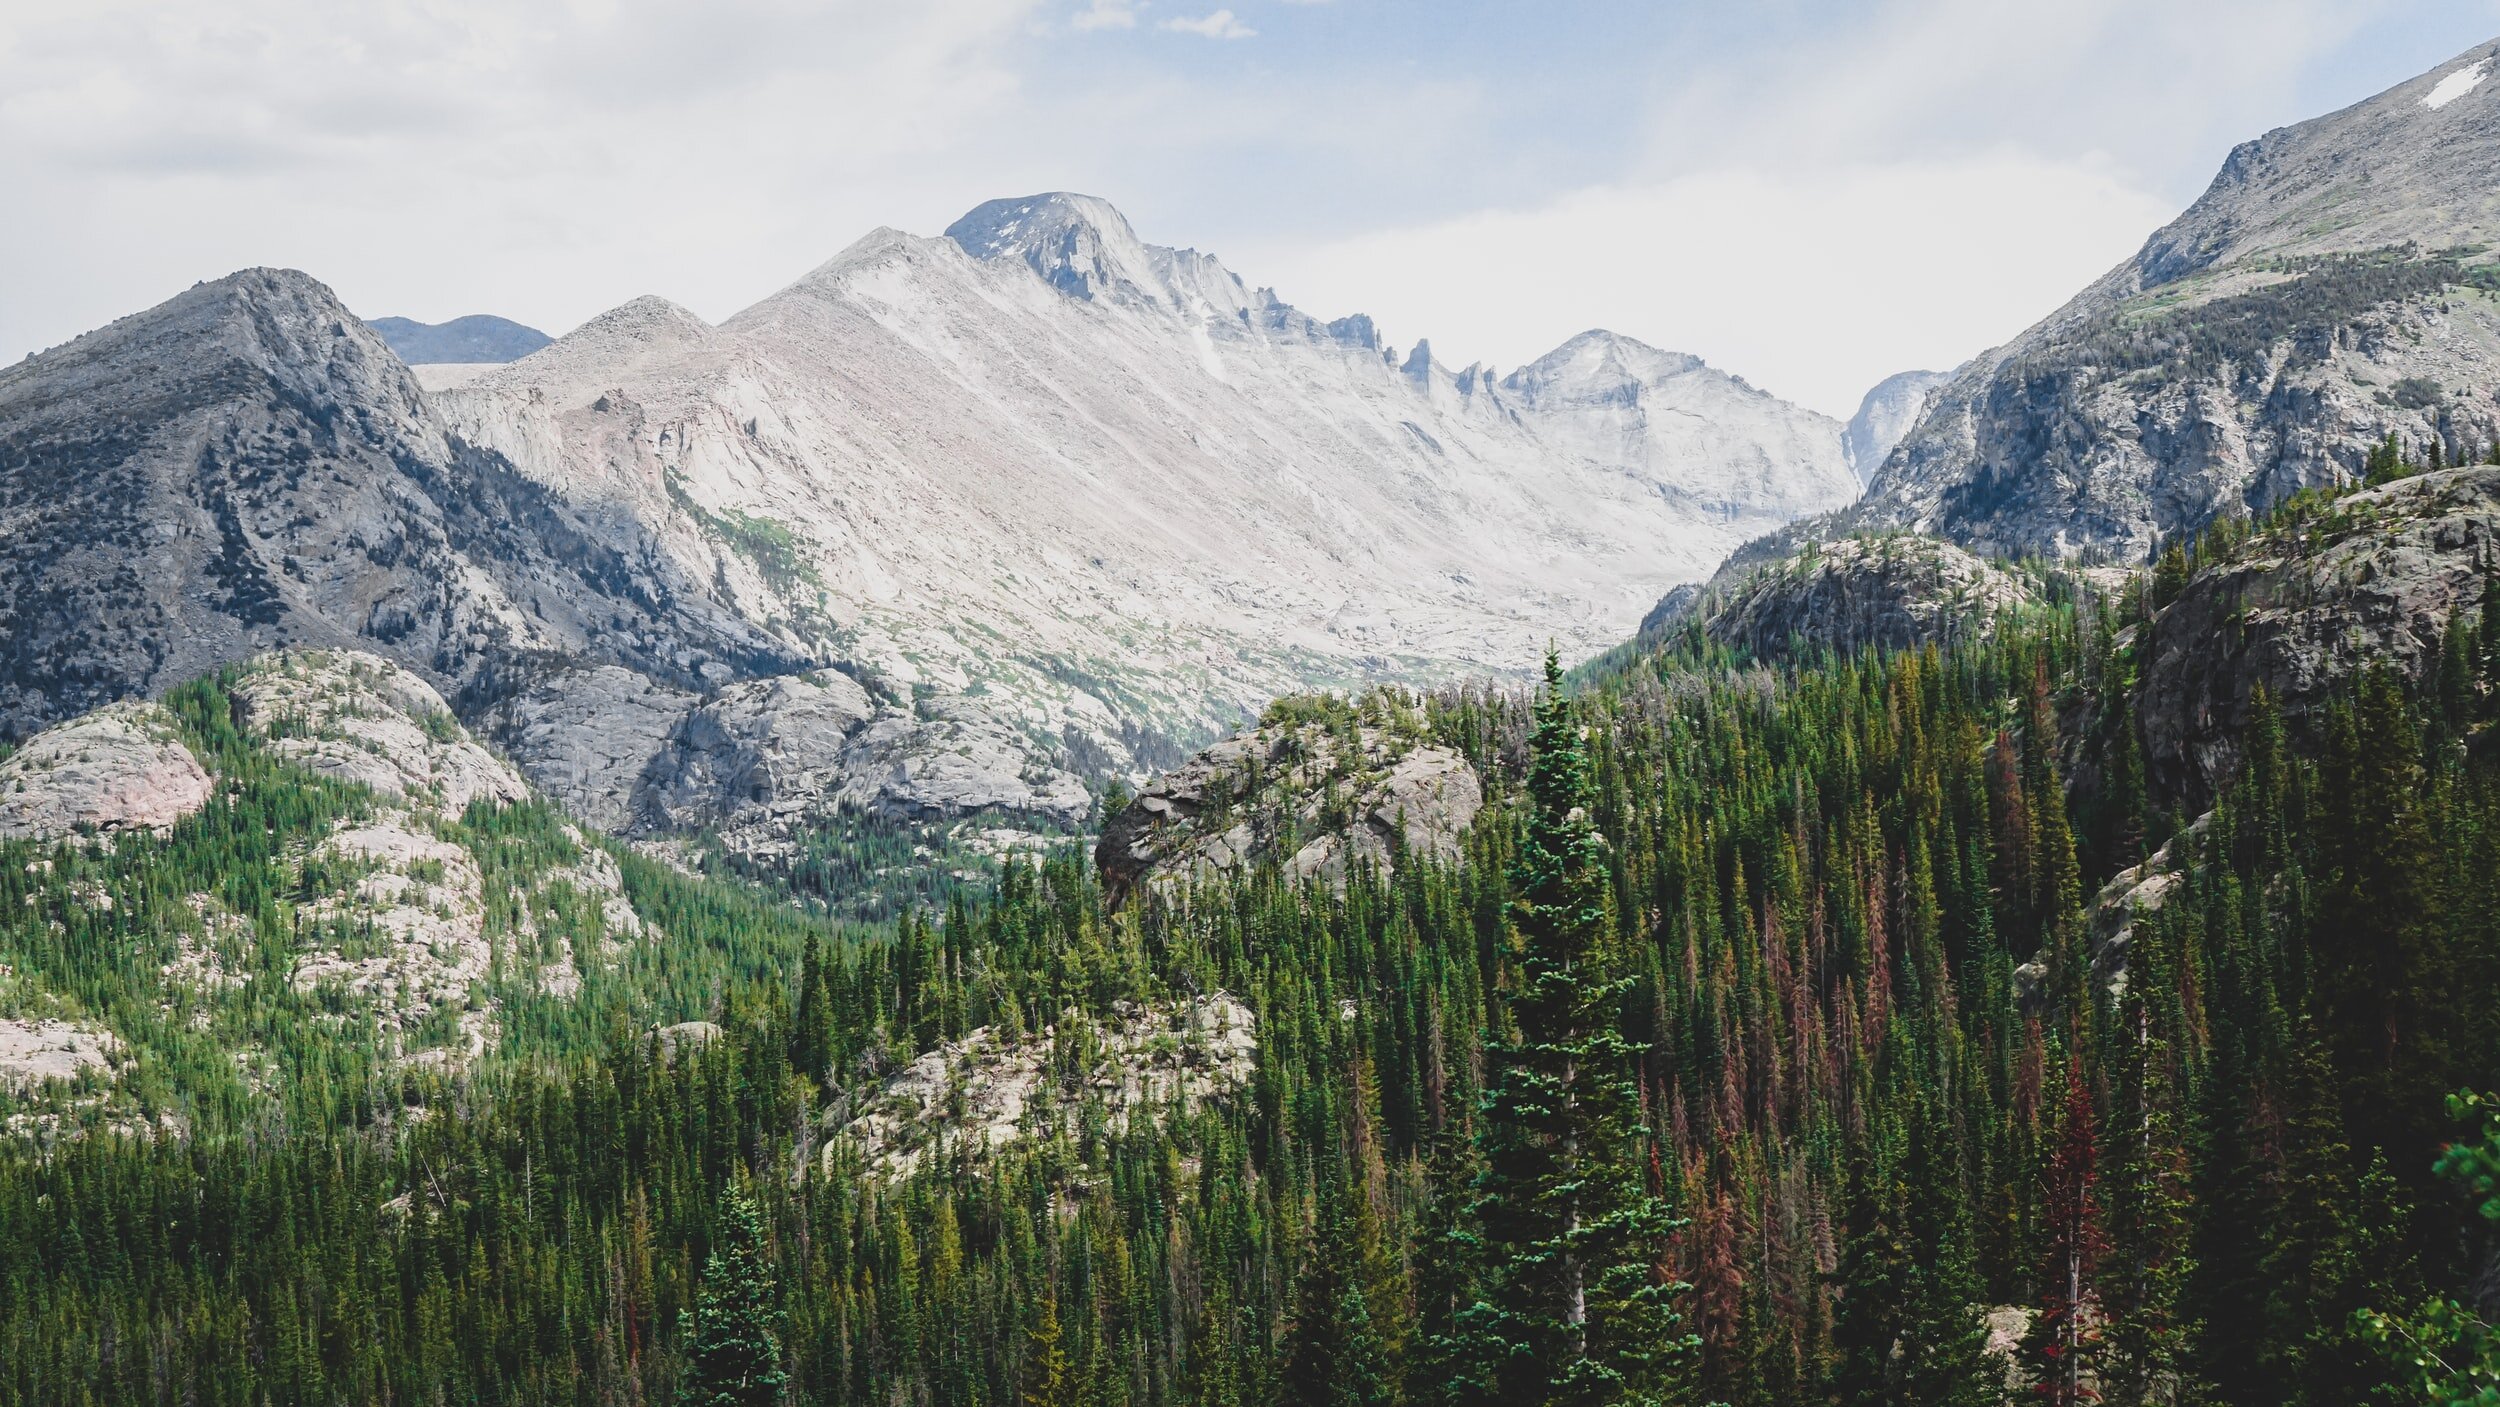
(1811, 284)
(1106, 14)
(540, 161)
(1220, 25)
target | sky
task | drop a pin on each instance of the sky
(1812, 194)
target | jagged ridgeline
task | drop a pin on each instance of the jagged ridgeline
(1973, 1057)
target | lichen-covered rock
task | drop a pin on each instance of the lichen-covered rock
(1889, 591)
(2373, 579)
(1313, 796)
(992, 1088)
(122, 767)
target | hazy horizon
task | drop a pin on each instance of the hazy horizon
(1810, 196)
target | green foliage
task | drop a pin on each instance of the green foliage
(733, 1346)
(2444, 1353)
(1780, 983)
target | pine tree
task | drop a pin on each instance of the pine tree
(811, 1028)
(1575, 1306)
(733, 1354)
(1046, 1378)
(1332, 1353)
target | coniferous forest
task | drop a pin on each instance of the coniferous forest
(1766, 1046)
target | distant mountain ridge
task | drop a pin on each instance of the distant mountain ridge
(928, 532)
(1091, 500)
(476, 338)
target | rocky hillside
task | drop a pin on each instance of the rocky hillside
(995, 1088)
(2373, 578)
(289, 881)
(1320, 785)
(2334, 285)
(1886, 591)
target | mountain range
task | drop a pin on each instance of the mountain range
(473, 340)
(947, 525)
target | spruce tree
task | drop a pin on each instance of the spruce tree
(733, 1353)
(1575, 1307)
(1332, 1353)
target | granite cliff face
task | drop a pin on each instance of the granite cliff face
(1886, 415)
(1893, 591)
(2334, 285)
(2374, 578)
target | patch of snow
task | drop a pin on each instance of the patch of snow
(2456, 85)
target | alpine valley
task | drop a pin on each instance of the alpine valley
(988, 829)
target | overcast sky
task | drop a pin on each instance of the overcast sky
(1810, 194)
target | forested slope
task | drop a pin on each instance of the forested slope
(1873, 1101)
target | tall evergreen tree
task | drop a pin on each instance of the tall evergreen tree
(733, 1353)
(1575, 1306)
(2066, 1337)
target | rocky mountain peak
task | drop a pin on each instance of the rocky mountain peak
(477, 338)
(2412, 165)
(1599, 365)
(1079, 244)
(1885, 414)
(280, 325)
(2329, 289)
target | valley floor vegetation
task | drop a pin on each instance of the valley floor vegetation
(1766, 1046)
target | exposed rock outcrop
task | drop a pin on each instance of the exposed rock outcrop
(2372, 579)
(1312, 795)
(1890, 591)
(2130, 894)
(36, 1053)
(122, 767)
(356, 717)
(991, 1089)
